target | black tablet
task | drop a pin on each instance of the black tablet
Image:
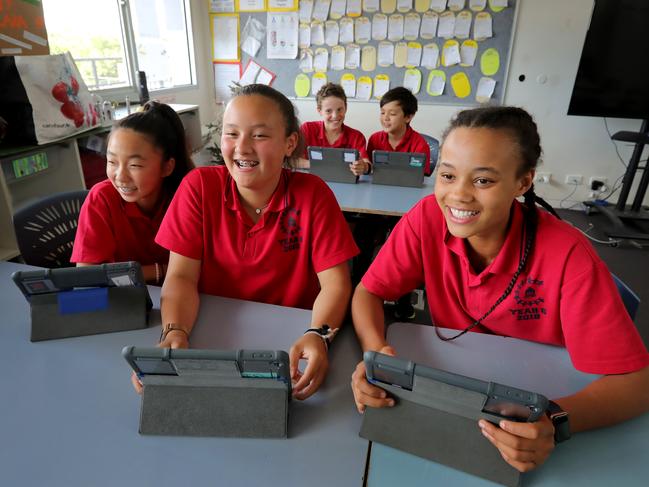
(501, 400)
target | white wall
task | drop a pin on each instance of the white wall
(547, 42)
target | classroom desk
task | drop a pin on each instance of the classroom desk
(379, 199)
(69, 415)
(605, 457)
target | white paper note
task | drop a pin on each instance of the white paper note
(414, 54)
(485, 89)
(482, 26)
(306, 10)
(437, 85)
(354, 8)
(222, 6)
(281, 35)
(455, 5)
(264, 77)
(349, 86)
(371, 6)
(451, 54)
(306, 60)
(338, 58)
(331, 32)
(346, 30)
(468, 54)
(438, 5)
(411, 26)
(317, 82)
(463, 24)
(428, 28)
(446, 25)
(386, 53)
(379, 27)
(381, 86)
(352, 56)
(430, 56)
(305, 36)
(362, 30)
(321, 10)
(225, 75)
(226, 33)
(338, 8)
(412, 80)
(395, 27)
(320, 60)
(363, 90)
(250, 74)
(317, 33)
(404, 6)
(250, 46)
(251, 5)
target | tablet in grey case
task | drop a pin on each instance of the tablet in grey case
(436, 415)
(398, 168)
(332, 163)
(227, 393)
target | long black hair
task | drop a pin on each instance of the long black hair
(162, 126)
(522, 129)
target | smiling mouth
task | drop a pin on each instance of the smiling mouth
(242, 163)
(462, 214)
(126, 189)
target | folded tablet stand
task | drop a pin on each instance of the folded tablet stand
(439, 422)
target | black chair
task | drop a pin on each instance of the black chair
(45, 230)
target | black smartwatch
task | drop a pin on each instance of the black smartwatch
(560, 422)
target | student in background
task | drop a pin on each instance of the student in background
(488, 260)
(331, 131)
(147, 157)
(253, 229)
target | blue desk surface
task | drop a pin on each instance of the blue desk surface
(69, 416)
(614, 456)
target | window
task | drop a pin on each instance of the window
(111, 40)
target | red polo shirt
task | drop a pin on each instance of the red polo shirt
(112, 230)
(315, 135)
(410, 142)
(565, 296)
(302, 232)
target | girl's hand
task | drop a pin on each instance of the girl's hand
(313, 349)
(365, 394)
(524, 446)
(174, 339)
(359, 167)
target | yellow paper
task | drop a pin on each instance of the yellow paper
(282, 5)
(477, 5)
(414, 55)
(318, 81)
(348, 82)
(364, 88)
(468, 52)
(422, 6)
(450, 53)
(412, 80)
(400, 54)
(461, 85)
(338, 58)
(496, 5)
(302, 85)
(436, 82)
(354, 8)
(381, 85)
(368, 58)
(490, 62)
(388, 6)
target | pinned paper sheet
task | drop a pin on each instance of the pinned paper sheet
(451, 53)
(225, 37)
(438, 5)
(250, 5)
(381, 85)
(354, 8)
(455, 5)
(250, 46)
(436, 82)
(225, 76)
(337, 58)
(352, 56)
(422, 6)
(306, 60)
(348, 82)
(221, 6)
(497, 5)
(485, 89)
(446, 25)
(430, 56)
(461, 85)
(364, 88)
(362, 30)
(282, 5)
(395, 27)
(368, 58)
(320, 60)
(331, 33)
(250, 73)
(321, 10)
(379, 27)
(482, 26)
(304, 39)
(388, 6)
(428, 25)
(346, 30)
(412, 80)
(302, 85)
(477, 5)
(463, 24)
(404, 6)
(386, 54)
(414, 55)
(490, 62)
(282, 35)
(400, 54)
(317, 33)
(306, 10)
(411, 27)
(371, 6)
(338, 8)
(318, 80)
(265, 77)
(468, 52)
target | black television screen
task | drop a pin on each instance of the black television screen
(613, 75)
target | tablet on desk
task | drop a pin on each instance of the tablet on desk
(398, 168)
(332, 163)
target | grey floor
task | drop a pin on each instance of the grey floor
(629, 261)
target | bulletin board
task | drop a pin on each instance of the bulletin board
(442, 80)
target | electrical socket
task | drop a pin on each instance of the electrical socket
(592, 179)
(574, 179)
(543, 177)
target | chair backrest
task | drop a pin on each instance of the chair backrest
(630, 299)
(433, 143)
(45, 230)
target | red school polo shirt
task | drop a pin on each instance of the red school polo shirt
(112, 230)
(565, 296)
(275, 261)
(410, 142)
(315, 135)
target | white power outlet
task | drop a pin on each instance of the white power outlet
(574, 179)
(543, 177)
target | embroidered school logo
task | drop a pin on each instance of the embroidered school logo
(289, 224)
(528, 296)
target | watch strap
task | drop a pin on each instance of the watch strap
(560, 421)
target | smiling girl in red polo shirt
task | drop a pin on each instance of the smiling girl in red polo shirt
(494, 265)
(331, 131)
(253, 229)
(147, 157)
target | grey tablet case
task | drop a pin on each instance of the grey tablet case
(225, 393)
(398, 168)
(78, 301)
(439, 421)
(332, 163)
